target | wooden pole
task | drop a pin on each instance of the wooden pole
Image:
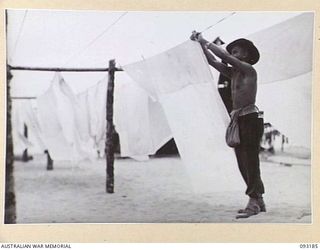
(25, 156)
(23, 97)
(10, 199)
(109, 147)
(57, 69)
(49, 160)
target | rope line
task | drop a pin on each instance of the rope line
(19, 35)
(80, 52)
(96, 38)
(222, 19)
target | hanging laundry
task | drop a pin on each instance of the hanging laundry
(286, 57)
(180, 79)
(92, 104)
(140, 122)
(160, 132)
(83, 107)
(58, 119)
(292, 100)
(97, 101)
(131, 121)
(20, 142)
(286, 49)
(25, 115)
(34, 132)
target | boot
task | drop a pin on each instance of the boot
(261, 203)
(252, 208)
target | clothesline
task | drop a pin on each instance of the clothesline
(221, 20)
(96, 38)
(93, 41)
(19, 35)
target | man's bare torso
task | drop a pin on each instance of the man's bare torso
(243, 88)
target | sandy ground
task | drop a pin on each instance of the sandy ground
(154, 191)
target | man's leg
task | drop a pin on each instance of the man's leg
(242, 168)
(255, 187)
(250, 135)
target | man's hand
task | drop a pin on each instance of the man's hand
(196, 36)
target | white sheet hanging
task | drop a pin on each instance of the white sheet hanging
(92, 103)
(285, 64)
(58, 118)
(160, 132)
(140, 122)
(181, 80)
(24, 113)
(20, 142)
(287, 105)
(286, 49)
(84, 109)
(97, 98)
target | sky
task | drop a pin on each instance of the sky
(90, 39)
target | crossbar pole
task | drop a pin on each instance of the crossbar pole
(57, 69)
(23, 97)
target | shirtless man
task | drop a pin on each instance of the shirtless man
(241, 55)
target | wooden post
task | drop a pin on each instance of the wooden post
(10, 199)
(109, 148)
(49, 160)
(25, 156)
(10, 203)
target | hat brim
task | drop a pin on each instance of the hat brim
(254, 54)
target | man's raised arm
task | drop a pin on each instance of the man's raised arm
(226, 57)
(221, 53)
(221, 67)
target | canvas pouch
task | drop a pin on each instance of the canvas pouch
(232, 133)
